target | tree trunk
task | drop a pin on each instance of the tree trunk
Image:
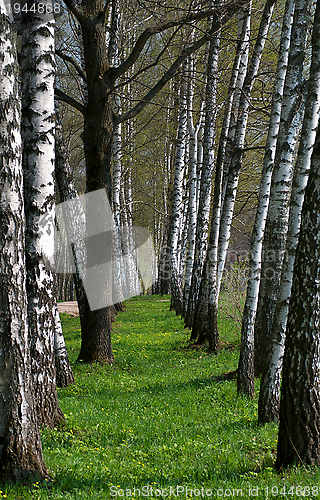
(20, 446)
(299, 436)
(269, 397)
(251, 303)
(177, 195)
(97, 139)
(278, 213)
(206, 179)
(194, 132)
(38, 66)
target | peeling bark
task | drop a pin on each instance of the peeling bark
(38, 69)
(20, 446)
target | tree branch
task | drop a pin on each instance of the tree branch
(149, 32)
(77, 11)
(61, 96)
(230, 9)
(149, 66)
(70, 59)
(144, 203)
(161, 83)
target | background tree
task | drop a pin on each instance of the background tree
(99, 118)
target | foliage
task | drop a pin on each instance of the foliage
(162, 415)
(234, 284)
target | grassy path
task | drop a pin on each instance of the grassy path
(160, 420)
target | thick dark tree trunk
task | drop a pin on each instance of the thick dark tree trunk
(98, 140)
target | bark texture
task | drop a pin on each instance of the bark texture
(299, 436)
(206, 183)
(274, 244)
(20, 446)
(250, 308)
(269, 397)
(38, 69)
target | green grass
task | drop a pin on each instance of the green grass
(161, 417)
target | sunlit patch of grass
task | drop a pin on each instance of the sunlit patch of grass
(161, 416)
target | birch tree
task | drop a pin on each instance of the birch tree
(177, 194)
(194, 132)
(274, 243)
(38, 69)
(269, 397)
(210, 113)
(20, 445)
(249, 313)
(209, 274)
(299, 437)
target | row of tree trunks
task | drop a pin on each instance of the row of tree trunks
(210, 113)
(274, 244)
(177, 193)
(299, 437)
(249, 313)
(208, 287)
(194, 134)
(269, 397)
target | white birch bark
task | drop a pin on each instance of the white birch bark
(274, 244)
(238, 142)
(113, 56)
(205, 322)
(20, 445)
(38, 70)
(183, 224)
(241, 63)
(206, 176)
(238, 145)
(269, 398)
(194, 132)
(299, 437)
(177, 198)
(265, 184)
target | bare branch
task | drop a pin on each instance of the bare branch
(144, 203)
(61, 96)
(149, 32)
(77, 11)
(229, 11)
(149, 66)
(70, 59)
(161, 83)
